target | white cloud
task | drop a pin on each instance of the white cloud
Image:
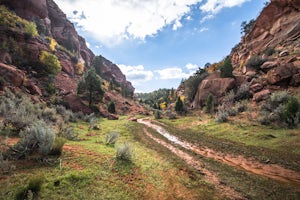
(212, 7)
(172, 73)
(203, 29)
(177, 25)
(111, 21)
(136, 74)
(206, 18)
(191, 66)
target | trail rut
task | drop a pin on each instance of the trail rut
(272, 171)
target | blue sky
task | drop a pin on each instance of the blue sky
(157, 43)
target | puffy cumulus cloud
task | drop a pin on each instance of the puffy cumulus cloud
(191, 66)
(136, 74)
(111, 21)
(172, 73)
(214, 6)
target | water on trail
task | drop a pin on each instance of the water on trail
(272, 171)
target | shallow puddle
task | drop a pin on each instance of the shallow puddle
(268, 170)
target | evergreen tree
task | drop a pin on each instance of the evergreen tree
(111, 107)
(179, 105)
(209, 103)
(226, 68)
(91, 86)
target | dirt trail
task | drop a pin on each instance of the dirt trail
(211, 177)
(268, 170)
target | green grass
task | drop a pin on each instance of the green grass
(236, 139)
(250, 134)
(90, 170)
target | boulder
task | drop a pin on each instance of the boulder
(5, 57)
(75, 104)
(32, 87)
(295, 81)
(283, 53)
(132, 119)
(11, 74)
(217, 87)
(112, 117)
(269, 65)
(256, 88)
(280, 73)
(262, 95)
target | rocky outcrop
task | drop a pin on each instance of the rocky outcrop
(12, 75)
(112, 72)
(25, 70)
(216, 86)
(262, 95)
(75, 104)
(277, 26)
(28, 9)
(17, 78)
(281, 73)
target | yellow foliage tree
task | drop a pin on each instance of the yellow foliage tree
(163, 105)
(52, 44)
(51, 62)
(79, 68)
(182, 98)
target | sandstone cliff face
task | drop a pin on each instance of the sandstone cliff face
(277, 28)
(112, 72)
(48, 15)
(214, 85)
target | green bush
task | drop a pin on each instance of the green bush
(31, 191)
(170, 114)
(111, 107)
(226, 68)
(69, 133)
(269, 51)
(124, 153)
(241, 106)
(49, 115)
(37, 137)
(292, 112)
(31, 29)
(57, 146)
(229, 97)
(9, 19)
(51, 62)
(18, 110)
(179, 105)
(221, 116)
(157, 114)
(255, 62)
(243, 92)
(111, 138)
(209, 103)
(281, 108)
(192, 83)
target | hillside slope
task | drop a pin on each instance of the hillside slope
(21, 49)
(266, 60)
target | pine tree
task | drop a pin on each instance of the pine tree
(179, 105)
(91, 86)
(209, 103)
(111, 107)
